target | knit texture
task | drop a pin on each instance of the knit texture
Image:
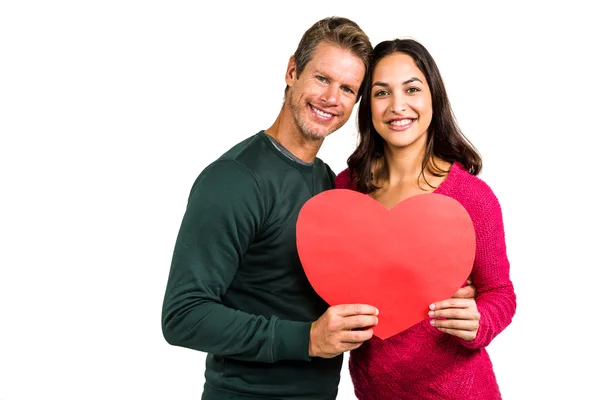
(423, 363)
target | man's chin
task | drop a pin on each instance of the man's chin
(316, 136)
(319, 133)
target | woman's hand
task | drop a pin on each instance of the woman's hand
(458, 317)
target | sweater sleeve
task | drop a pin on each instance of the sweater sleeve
(225, 210)
(496, 299)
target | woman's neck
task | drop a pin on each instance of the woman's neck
(401, 175)
(400, 165)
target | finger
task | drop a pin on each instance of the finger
(456, 313)
(345, 310)
(355, 336)
(456, 324)
(451, 303)
(465, 335)
(359, 322)
(351, 346)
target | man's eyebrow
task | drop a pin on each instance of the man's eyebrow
(352, 86)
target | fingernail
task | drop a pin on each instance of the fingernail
(432, 321)
(432, 306)
(431, 314)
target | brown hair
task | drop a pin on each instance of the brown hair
(338, 31)
(445, 139)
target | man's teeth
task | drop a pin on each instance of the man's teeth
(402, 122)
(322, 114)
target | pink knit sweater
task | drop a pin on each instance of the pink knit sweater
(423, 363)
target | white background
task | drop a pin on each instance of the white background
(110, 109)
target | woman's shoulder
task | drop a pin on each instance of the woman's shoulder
(469, 189)
(460, 176)
(342, 180)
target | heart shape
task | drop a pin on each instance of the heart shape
(354, 250)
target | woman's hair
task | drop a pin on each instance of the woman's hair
(444, 138)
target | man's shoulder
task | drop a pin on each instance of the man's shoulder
(230, 167)
(320, 164)
(248, 147)
(251, 161)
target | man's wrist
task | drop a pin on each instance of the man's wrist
(311, 352)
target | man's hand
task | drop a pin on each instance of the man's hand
(340, 329)
(466, 292)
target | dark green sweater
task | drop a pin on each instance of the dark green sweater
(236, 288)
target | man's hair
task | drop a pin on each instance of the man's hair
(337, 31)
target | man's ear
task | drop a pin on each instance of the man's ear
(290, 74)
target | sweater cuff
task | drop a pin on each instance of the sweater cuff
(290, 341)
(479, 341)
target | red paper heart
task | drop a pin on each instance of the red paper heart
(354, 250)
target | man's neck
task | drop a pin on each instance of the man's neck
(285, 131)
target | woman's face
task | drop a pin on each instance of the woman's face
(400, 102)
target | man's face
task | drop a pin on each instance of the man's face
(323, 96)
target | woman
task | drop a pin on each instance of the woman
(410, 144)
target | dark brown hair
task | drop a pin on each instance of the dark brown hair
(445, 139)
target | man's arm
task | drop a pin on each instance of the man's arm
(466, 292)
(220, 222)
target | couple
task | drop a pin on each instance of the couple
(236, 288)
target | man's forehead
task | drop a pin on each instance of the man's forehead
(329, 59)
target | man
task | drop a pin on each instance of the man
(236, 288)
